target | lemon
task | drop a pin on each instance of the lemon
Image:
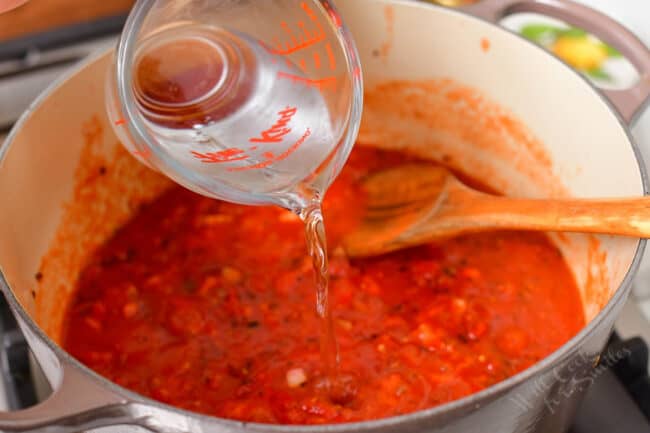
(581, 53)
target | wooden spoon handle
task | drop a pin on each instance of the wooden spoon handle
(625, 216)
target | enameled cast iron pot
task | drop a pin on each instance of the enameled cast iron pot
(583, 130)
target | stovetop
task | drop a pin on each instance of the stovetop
(619, 399)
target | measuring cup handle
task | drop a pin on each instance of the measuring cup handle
(629, 102)
(79, 404)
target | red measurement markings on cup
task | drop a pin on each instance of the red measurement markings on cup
(275, 134)
(300, 37)
(121, 121)
(272, 158)
(330, 56)
(320, 83)
(306, 37)
(278, 130)
(227, 155)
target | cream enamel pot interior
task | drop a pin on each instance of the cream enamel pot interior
(586, 140)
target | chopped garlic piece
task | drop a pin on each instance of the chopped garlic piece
(231, 275)
(129, 310)
(296, 377)
(215, 219)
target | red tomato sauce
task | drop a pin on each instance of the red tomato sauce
(210, 307)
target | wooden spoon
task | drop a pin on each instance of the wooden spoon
(415, 204)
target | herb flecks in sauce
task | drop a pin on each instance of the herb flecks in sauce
(209, 306)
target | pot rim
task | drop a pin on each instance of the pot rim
(472, 401)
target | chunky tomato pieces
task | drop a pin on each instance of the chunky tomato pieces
(210, 306)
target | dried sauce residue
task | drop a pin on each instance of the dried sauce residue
(387, 45)
(485, 45)
(455, 124)
(589, 260)
(597, 280)
(109, 185)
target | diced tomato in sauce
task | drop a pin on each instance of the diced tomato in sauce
(210, 306)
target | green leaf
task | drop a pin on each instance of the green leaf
(536, 32)
(599, 74)
(573, 32)
(611, 51)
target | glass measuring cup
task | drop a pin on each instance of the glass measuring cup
(253, 102)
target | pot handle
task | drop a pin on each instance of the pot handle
(628, 102)
(76, 404)
(79, 404)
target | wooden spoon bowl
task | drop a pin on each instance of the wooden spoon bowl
(414, 204)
